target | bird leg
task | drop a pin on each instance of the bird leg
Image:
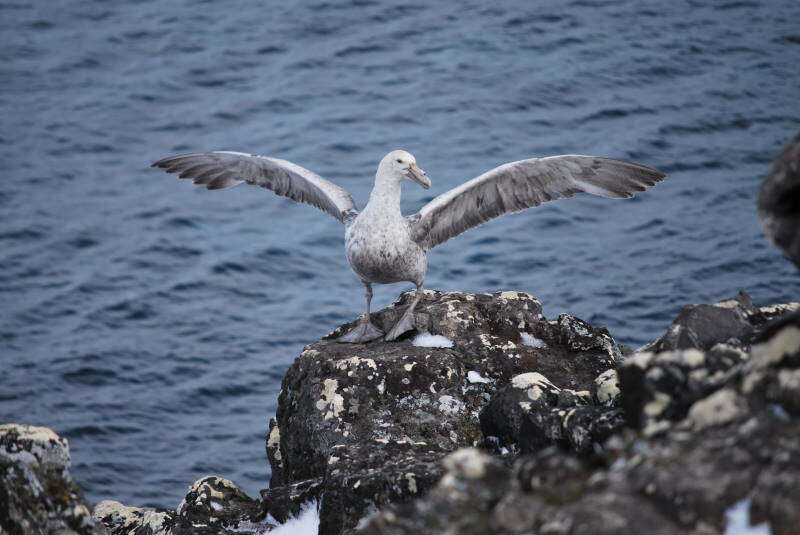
(365, 331)
(406, 322)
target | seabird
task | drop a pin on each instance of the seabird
(779, 201)
(381, 244)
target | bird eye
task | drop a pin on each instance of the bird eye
(399, 161)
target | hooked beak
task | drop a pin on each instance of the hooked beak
(418, 175)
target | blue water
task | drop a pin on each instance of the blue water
(150, 321)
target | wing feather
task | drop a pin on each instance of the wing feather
(524, 184)
(221, 169)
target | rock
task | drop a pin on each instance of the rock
(388, 412)
(659, 388)
(719, 408)
(287, 501)
(462, 315)
(702, 326)
(37, 493)
(532, 413)
(778, 206)
(528, 400)
(574, 439)
(734, 321)
(122, 520)
(212, 505)
(340, 394)
(460, 503)
(711, 431)
(360, 479)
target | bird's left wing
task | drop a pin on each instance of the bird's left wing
(221, 169)
(518, 185)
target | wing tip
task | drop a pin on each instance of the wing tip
(170, 160)
(164, 163)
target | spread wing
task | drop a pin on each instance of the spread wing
(220, 169)
(518, 185)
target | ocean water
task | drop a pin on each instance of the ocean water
(150, 321)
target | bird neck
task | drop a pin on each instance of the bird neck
(385, 198)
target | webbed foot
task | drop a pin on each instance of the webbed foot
(405, 324)
(361, 334)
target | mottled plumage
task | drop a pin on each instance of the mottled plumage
(382, 245)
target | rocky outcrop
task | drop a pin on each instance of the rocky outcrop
(212, 505)
(732, 321)
(37, 494)
(518, 425)
(367, 425)
(710, 432)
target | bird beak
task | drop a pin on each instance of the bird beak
(419, 176)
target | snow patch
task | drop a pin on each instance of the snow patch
(531, 341)
(431, 340)
(306, 523)
(475, 377)
(737, 521)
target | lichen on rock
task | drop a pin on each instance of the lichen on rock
(37, 493)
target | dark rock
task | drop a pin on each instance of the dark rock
(461, 502)
(779, 201)
(387, 412)
(578, 335)
(360, 479)
(719, 431)
(532, 413)
(702, 326)
(585, 428)
(37, 493)
(122, 520)
(340, 394)
(212, 506)
(287, 501)
(529, 399)
(659, 388)
(214, 502)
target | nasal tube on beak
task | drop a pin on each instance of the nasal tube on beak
(419, 176)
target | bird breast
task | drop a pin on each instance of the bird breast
(381, 250)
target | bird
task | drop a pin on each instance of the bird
(381, 244)
(779, 201)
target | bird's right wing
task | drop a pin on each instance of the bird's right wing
(220, 169)
(518, 185)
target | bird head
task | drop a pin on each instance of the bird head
(402, 165)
